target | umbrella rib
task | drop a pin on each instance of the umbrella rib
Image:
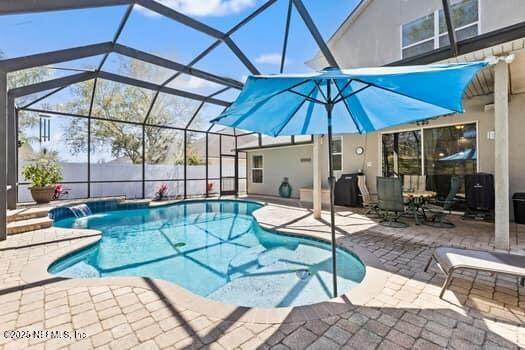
(405, 95)
(350, 113)
(306, 97)
(336, 98)
(307, 118)
(320, 90)
(293, 114)
(351, 94)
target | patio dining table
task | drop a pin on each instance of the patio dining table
(415, 201)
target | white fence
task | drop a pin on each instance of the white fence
(102, 175)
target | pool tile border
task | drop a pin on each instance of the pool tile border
(372, 284)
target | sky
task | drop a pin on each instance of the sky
(261, 39)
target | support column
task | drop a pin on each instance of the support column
(317, 171)
(3, 158)
(501, 149)
(12, 148)
(143, 161)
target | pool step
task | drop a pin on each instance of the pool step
(33, 224)
(28, 213)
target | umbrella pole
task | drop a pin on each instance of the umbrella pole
(331, 181)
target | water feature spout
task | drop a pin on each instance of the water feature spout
(81, 210)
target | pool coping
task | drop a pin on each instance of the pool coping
(373, 282)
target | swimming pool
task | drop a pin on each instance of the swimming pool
(213, 248)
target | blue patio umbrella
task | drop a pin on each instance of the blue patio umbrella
(341, 101)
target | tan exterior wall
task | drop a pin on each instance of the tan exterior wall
(373, 38)
(495, 14)
(279, 163)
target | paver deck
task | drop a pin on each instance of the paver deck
(479, 311)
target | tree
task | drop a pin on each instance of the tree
(129, 103)
(27, 77)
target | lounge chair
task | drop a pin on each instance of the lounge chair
(390, 201)
(366, 197)
(437, 211)
(452, 259)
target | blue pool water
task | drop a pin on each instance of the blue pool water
(215, 249)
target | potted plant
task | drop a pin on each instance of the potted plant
(162, 192)
(43, 176)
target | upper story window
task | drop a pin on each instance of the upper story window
(430, 32)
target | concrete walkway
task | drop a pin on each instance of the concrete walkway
(480, 311)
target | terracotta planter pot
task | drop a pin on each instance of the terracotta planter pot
(42, 194)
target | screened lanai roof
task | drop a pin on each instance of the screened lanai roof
(185, 61)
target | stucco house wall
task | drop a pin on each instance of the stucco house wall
(291, 162)
(372, 35)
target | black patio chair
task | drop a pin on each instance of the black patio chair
(437, 211)
(390, 201)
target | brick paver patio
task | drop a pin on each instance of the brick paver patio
(480, 311)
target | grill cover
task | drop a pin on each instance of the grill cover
(346, 191)
(479, 191)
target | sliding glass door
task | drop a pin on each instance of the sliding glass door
(438, 153)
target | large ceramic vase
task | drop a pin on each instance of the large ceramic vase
(285, 190)
(42, 195)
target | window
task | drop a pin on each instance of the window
(257, 169)
(418, 36)
(337, 154)
(402, 153)
(451, 150)
(424, 34)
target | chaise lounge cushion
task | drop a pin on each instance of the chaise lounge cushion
(455, 258)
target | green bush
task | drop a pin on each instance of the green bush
(43, 173)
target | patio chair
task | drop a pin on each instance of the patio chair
(437, 211)
(451, 259)
(414, 183)
(367, 199)
(390, 201)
